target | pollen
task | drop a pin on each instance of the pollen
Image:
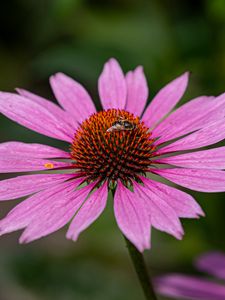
(49, 165)
(111, 145)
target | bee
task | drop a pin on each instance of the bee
(121, 125)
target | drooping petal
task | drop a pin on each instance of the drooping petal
(31, 150)
(30, 209)
(189, 117)
(212, 263)
(213, 133)
(34, 116)
(72, 96)
(206, 159)
(57, 213)
(112, 86)
(165, 100)
(189, 287)
(9, 164)
(52, 107)
(27, 184)
(195, 179)
(89, 212)
(182, 203)
(163, 216)
(137, 91)
(132, 217)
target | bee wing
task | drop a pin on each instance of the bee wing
(115, 127)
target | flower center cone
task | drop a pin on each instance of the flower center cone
(112, 145)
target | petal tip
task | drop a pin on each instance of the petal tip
(187, 74)
(113, 60)
(139, 69)
(184, 77)
(53, 78)
(201, 213)
(19, 90)
(72, 236)
(23, 240)
(179, 234)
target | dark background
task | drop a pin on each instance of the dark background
(38, 38)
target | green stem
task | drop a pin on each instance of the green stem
(141, 270)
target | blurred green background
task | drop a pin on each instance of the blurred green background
(167, 37)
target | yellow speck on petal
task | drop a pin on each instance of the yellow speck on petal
(49, 165)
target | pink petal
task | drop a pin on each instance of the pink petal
(34, 116)
(89, 212)
(132, 217)
(182, 203)
(137, 91)
(206, 136)
(189, 287)
(165, 100)
(57, 213)
(27, 184)
(163, 216)
(212, 263)
(189, 117)
(72, 96)
(195, 179)
(31, 208)
(112, 86)
(206, 159)
(52, 107)
(10, 164)
(31, 150)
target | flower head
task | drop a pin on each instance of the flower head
(119, 149)
(181, 286)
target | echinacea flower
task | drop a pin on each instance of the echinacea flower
(181, 286)
(119, 149)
